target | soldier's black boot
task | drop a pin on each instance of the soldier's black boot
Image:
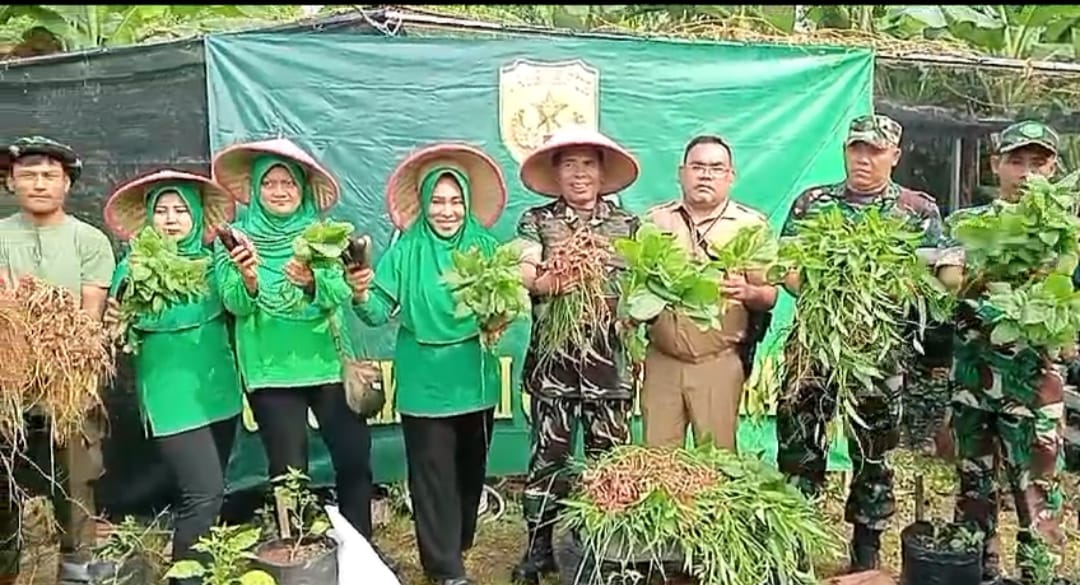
(865, 549)
(539, 557)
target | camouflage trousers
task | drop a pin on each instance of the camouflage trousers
(1030, 457)
(606, 424)
(803, 414)
(925, 405)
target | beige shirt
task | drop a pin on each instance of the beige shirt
(678, 336)
(71, 254)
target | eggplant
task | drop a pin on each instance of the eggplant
(358, 252)
(121, 290)
(227, 239)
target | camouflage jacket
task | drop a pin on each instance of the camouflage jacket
(996, 378)
(604, 375)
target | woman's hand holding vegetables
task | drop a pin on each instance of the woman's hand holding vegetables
(550, 284)
(110, 320)
(300, 274)
(360, 280)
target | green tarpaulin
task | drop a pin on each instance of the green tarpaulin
(361, 104)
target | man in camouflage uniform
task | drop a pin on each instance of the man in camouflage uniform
(872, 150)
(577, 168)
(1007, 407)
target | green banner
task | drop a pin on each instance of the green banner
(361, 104)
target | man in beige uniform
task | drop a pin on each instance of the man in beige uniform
(41, 239)
(690, 375)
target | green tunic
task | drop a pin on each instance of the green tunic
(185, 371)
(283, 338)
(440, 367)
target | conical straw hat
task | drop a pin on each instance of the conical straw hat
(486, 183)
(125, 210)
(538, 170)
(232, 170)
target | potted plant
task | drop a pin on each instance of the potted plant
(940, 552)
(300, 552)
(132, 554)
(722, 518)
(229, 549)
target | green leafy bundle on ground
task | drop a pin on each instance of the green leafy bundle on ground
(490, 288)
(158, 276)
(322, 241)
(661, 274)
(861, 284)
(734, 519)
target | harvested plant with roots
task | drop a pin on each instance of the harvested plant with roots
(864, 300)
(734, 519)
(55, 358)
(573, 321)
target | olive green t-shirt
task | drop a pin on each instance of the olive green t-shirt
(71, 254)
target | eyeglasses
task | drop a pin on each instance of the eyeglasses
(702, 169)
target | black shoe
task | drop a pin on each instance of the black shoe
(538, 560)
(455, 581)
(865, 549)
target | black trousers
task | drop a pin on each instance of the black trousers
(282, 417)
(197, 459)
(447, 464)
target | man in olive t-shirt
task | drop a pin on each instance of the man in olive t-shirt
(42, 240)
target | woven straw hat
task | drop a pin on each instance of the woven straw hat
(125, 211)
(538, 170)
(232, 170)
(486, 183)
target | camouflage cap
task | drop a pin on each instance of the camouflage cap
(1027, 133)
(40, 145)
(880, 131)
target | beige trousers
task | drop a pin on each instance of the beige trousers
(706, 395)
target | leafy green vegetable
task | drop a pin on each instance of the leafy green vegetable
(861, 284)
(661, 274)
(1043, 315)
(488, 287)
(752, 249)
(1012, 241)
(322, 241)
(158, 276)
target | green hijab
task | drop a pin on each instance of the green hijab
(273, 237)
(185, 315)
(418, 260)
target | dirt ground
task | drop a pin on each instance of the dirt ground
(500, 542)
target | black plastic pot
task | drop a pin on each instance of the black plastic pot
(133, 571)
(321, 569)
(923, 566)
(580, 567)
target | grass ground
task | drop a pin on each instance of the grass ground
(500, 543)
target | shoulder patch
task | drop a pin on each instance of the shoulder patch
(666, 206)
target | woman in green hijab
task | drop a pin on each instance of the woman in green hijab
(287, 316)
(185, 370)
(442, 198)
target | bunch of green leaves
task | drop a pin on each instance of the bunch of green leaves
(744, 525)
(661, 274)
(158, 276)
(752, 249)
(862, 284)
(1012, 241)
(230, 551)
(488, 287)
(322, 242)
(1043, 315)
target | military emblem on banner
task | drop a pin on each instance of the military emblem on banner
(538, 98)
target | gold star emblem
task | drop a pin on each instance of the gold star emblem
(549, 109)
